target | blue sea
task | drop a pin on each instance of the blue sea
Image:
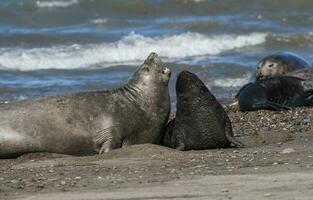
(65, 46)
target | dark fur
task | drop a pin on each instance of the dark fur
(276, 93)
(201, 122)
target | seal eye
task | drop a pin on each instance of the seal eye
(271, 65)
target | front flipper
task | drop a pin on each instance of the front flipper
(109, 139)
(229, 135)
(270, 105)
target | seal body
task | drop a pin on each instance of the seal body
(280, 64)
(90, 122)
(276, 93)
(305, 74)
(200, 122)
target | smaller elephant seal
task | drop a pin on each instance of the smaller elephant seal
(279, 64)
(200, 122)
(90, 122)
(276, 93)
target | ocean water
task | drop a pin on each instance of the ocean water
(61, 46)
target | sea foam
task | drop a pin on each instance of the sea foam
(232, 82)
(131, 49)
(56, 4)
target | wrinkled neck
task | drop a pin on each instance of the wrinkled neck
(148, 97)
(133, 93)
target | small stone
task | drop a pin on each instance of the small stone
(14, 181)
(268, 195)
(288, 150)
(62, 182)
(224, 190)
(77, 178)
(173, 170)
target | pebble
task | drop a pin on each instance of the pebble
(224, 190)
(268, 195)
(62, 182)
(288, 150)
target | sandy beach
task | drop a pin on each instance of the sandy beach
(277, 164)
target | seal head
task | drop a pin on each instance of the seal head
(279, 64)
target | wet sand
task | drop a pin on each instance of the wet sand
(277, 164)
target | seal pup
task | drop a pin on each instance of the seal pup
(200, 122)
(90, 122)
(276, 93)
(279, 64)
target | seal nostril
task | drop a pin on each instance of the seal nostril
(152, 56)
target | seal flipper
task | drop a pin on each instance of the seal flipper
(270, 105)
(230, 137)
(109, 139)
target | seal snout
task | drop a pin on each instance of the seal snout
(153, 58)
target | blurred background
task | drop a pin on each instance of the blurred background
(59, 46)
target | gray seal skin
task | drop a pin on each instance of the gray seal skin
(276, 93)
(200, 122)
(279, 64)
(306, 74)
(90, 122)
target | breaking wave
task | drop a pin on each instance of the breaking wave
(55, 4)
(131, 49)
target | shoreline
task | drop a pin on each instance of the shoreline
(279, 149)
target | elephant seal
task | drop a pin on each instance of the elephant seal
(90, 122)
(200, 122)
(279, 64)
(276, 93)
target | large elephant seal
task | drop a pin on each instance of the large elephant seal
(276, 93)
(200, 122)
(90, 122)
(279, 64)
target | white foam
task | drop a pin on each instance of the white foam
(100, 21)
(131, 49)
(56, 4)
(232, 82)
